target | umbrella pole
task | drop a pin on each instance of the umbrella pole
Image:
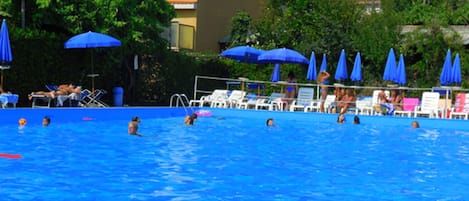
(1, 85)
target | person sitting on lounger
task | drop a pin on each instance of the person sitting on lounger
(347, 101)
(389, 105)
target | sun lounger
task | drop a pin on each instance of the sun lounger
(6, 99)
(304, 99)
(429, 105)
(40, 101)
(408, 107)
(217, 94)
(461, 107)
(233, 100)
(274, 102)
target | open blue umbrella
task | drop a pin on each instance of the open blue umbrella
(5, 49)
(91, 40)
(245, 54)
(283, 55)
(276, 73)
(456, 71)
(341, 71)
(323, 63)
(445, 76)
(357, 69)
(390, 68)
(312, 73)
(401, 75)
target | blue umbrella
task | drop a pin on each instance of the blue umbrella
(91, 40)
(400, 78)
(445, 76)
(311, 75)
(243, 54)
(283, 55)
(357, 69)
(341, 71)
(5, 49)
(276, 73)
(323, 63)
(456, 73)
(390, 68)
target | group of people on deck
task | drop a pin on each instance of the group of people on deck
(389, 104)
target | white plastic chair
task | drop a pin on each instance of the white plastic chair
(304, 99)
(217, 94)
(429, 105)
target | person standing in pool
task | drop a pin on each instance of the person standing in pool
(341, 118)
(189, 120)
(133, 128)
(46, 121)
(356, 120)
(270, 122)
(415, 124)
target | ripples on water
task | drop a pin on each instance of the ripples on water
(233, 159)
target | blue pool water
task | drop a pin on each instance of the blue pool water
(232, 155)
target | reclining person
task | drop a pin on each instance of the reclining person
(64, 89)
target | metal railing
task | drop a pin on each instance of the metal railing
(204, 85)
(180, 99)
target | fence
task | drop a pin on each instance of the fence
(204, 85)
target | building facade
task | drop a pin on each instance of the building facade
(200, 25)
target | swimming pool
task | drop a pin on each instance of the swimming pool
(231, 156)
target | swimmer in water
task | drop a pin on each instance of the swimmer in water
(133, 128)
(189, 120)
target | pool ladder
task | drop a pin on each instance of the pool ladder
(180, 99)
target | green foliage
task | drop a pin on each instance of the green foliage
(136, 23)
(418, 12)
(329, 26)
(240, 25)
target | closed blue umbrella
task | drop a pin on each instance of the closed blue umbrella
(445, 76)
(390, 68)
(91, 40)
(401, 75)
(357, 69)
(5, 49)
(245, 54)
(311, 75)
(323, 63)
(276, 73)
(283, 55)
(341, 71)
(456, 73)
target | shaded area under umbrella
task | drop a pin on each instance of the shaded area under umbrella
(356, 75)
(312, 73)
(390, 68)
(401, 74)
(341, 71)
(91, 40)
(245, 54)
(456, 71)
(5, 49)
(445, 76)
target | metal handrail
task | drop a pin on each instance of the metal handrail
(180, 98)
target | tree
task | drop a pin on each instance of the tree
(136, 23)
